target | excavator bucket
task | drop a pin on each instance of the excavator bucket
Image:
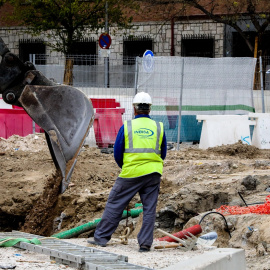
(66, 116)
(64, 112)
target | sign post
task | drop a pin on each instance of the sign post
(105, 43)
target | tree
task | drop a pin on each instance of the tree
(67, 21)
(242, 15)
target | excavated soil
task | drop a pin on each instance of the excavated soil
(40, 219)
(194, 182)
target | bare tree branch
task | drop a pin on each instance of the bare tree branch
(228, 12)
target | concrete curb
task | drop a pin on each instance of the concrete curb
(220, 258)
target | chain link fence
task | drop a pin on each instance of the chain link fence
(181, 88)
(185, 87)
(109, 83)
(261, 93)
(88, 70)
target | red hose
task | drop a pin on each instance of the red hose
(196, 229)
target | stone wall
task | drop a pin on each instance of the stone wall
(159, 32)
(161, 35)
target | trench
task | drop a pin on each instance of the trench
(10, 222)
(40, 218)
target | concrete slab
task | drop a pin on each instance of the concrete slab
(218, 259)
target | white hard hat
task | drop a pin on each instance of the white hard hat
(142, 98)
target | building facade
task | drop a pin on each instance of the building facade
(181, 38)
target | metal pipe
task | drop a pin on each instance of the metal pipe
(262, 90)
(106, 59)
(136, 81)
(106, 79)
(136, 75)
(180, 103)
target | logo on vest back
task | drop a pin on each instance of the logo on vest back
(144, 132)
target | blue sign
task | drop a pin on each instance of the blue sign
(148, 52)
(105, 41)
(148, 61)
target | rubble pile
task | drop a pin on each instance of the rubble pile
(194, 182)
(32, 143)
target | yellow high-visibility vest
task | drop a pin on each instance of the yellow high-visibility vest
(143, 139)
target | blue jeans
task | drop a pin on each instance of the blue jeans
(122, 192)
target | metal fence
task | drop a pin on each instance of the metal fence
(184, 87)
(181, 88)
(261, 93)
(109, 83)
(89, 70)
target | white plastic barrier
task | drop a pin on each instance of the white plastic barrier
(261, 133)
(91, 138)
(4, 105)
(224, 129)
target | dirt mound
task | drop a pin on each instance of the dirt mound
(238, 149)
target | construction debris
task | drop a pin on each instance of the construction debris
(194, 181)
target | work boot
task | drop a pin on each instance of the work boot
(92, 241)
(144, 248)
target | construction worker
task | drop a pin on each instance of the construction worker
(139, 149)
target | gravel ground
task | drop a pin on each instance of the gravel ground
(155, 259)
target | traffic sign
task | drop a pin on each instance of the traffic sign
(104, 41)
(148, 61)
(148, 52)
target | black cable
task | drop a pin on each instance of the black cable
(242, 198)
(213, 212)
(247, 204)
(256, 203)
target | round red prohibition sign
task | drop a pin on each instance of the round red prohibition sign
(105, 41)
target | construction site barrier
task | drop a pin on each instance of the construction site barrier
(261, 132)
(16, 121)
(108, 120)
(104, 103)
(224, 129)
(106, 125)
(4, 105)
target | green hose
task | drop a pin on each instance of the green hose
(132, 213)
(135, 212)
(10, 242)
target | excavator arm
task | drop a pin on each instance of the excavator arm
(63, 112)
